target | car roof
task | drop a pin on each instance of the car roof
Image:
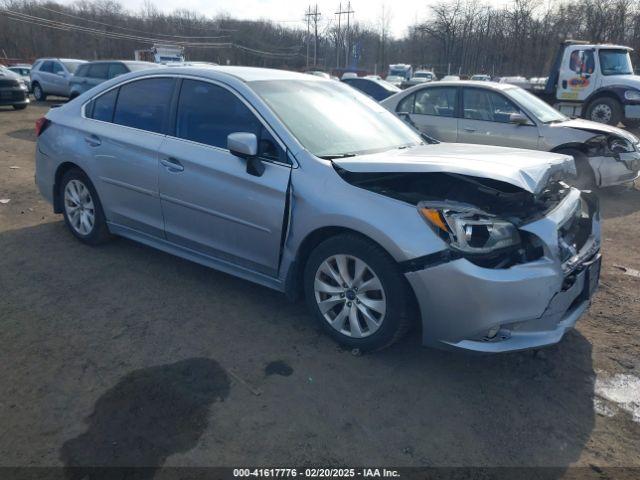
(468, 83)
(245, 74)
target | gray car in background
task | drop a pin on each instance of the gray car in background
(24, 70)
(51, 76)
(88, 75)
(501, 114)
(309, 187)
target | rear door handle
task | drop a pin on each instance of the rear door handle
(172, 165)
(468, 129)
(93, 140)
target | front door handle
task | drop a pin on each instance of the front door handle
(172, 165)
(469, 129)
(93, 140)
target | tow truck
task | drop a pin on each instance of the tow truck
(596, 82)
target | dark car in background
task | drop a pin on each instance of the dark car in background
(376, 89)
(13, 89)
(91, 74)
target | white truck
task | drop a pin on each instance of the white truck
(161, 53)
(401, 70)
(596, 82)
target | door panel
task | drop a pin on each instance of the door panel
(209, 201)
(212, 205)
(434, 112)
(485, 120)
(577, 73)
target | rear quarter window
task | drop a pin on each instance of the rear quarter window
(102, 108)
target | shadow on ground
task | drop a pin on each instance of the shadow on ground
(150, 414)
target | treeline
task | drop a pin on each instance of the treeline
(458, 36)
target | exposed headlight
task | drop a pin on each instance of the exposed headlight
(633, 95)
(22, 84)
(469, 230)
(620, 145)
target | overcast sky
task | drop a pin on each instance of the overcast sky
(290, 12)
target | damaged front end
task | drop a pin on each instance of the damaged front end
(519, 267)
(614, 160)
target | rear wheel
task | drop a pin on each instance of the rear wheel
(38, 93)
(586, 178)
(82, 210)
(357, 294)
(605, 110)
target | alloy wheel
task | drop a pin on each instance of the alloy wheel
(350, 296)
(79, 207)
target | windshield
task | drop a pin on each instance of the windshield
(538, 108)
(615, 62)
(331, 119)
(423, 75)
(397, 72)
(72, 66)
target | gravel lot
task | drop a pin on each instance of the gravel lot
(123, 355)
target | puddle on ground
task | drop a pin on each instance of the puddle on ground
(622, 389)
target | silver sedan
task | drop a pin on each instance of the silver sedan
(501, 114)
(313, 189)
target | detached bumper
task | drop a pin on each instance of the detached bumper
(610, 171)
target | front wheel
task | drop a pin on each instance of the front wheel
(82, 210)
(605, 110)
(357, 294)
(19, 107)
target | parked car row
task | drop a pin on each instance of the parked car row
(309, 187)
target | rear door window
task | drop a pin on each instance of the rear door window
(144, 104)
(99, 71)
(436, 101)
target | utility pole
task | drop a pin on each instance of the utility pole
(308, 17)
(315, 15)
(339, 13)
(346, 57)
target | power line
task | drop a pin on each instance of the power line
(56, 25)
(315, 15)
(124, 28)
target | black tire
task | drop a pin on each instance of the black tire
(99, 232)
(19, 107)
(596, 111)
(38, 93)
(586, 178)
(397, 318)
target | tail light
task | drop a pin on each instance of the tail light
(41, 125)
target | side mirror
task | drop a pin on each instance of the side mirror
(518, 119)
(245, 145)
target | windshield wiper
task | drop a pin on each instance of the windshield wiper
(337, 155)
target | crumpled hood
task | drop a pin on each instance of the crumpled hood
(597, 128)
(528, 169)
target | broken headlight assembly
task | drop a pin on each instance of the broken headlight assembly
(469, 230)
(620, 145)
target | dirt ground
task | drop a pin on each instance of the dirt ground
(123, 355)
